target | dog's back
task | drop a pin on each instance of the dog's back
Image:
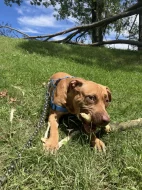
(60, 75)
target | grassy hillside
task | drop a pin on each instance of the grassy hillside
(24, 66)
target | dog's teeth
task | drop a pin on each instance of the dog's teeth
(87, 117)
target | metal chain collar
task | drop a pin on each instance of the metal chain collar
(12, 167)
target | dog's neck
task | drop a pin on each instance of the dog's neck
(63, 96)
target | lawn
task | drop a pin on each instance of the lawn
(24, 67)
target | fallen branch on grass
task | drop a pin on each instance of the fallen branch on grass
(112, 127)
(66, 139)
(80, 28)
(126, 125)
(120, 41)
(16, 30)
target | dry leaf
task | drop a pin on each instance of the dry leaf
(12, 100)
(3, 93)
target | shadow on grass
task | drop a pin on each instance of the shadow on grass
(108, 59)
(70, 123)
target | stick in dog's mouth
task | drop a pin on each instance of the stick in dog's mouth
(89, 126)
(86, 119)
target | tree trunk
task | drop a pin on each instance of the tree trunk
(96, 32)
(140, 28)
(94, 19)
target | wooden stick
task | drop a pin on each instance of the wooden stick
(125, 125)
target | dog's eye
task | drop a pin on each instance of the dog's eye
(91, 98)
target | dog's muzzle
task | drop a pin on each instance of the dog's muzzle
(90, 123)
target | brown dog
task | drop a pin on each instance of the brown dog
(86, 99)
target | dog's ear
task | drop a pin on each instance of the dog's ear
(109, 94)
(75, 84)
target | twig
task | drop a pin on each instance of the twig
(83, 33)
(66, 139)
(15, 30)
(126, 125)
(12, 114)
(133, 23)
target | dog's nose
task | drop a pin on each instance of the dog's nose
(105, 119)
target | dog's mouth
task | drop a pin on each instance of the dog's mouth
(86, 119)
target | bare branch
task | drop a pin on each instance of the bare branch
(126, 125)
(133, 24)
(82, 34)
(120, 41)
(15, 30)
(68, 38)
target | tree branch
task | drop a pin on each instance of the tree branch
(133, 24)
(93, 25)
(120, 41)
(15, 30)
(66, 39)
(82, 34)
(126, 125)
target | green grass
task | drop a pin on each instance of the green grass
(27, 64)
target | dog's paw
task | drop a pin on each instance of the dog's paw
(99, 145)
(50, 145)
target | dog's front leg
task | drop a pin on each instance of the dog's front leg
(97, 143)
(51, 143)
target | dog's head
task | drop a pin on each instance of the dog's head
(89, 100)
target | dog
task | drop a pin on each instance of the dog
(85, 99)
